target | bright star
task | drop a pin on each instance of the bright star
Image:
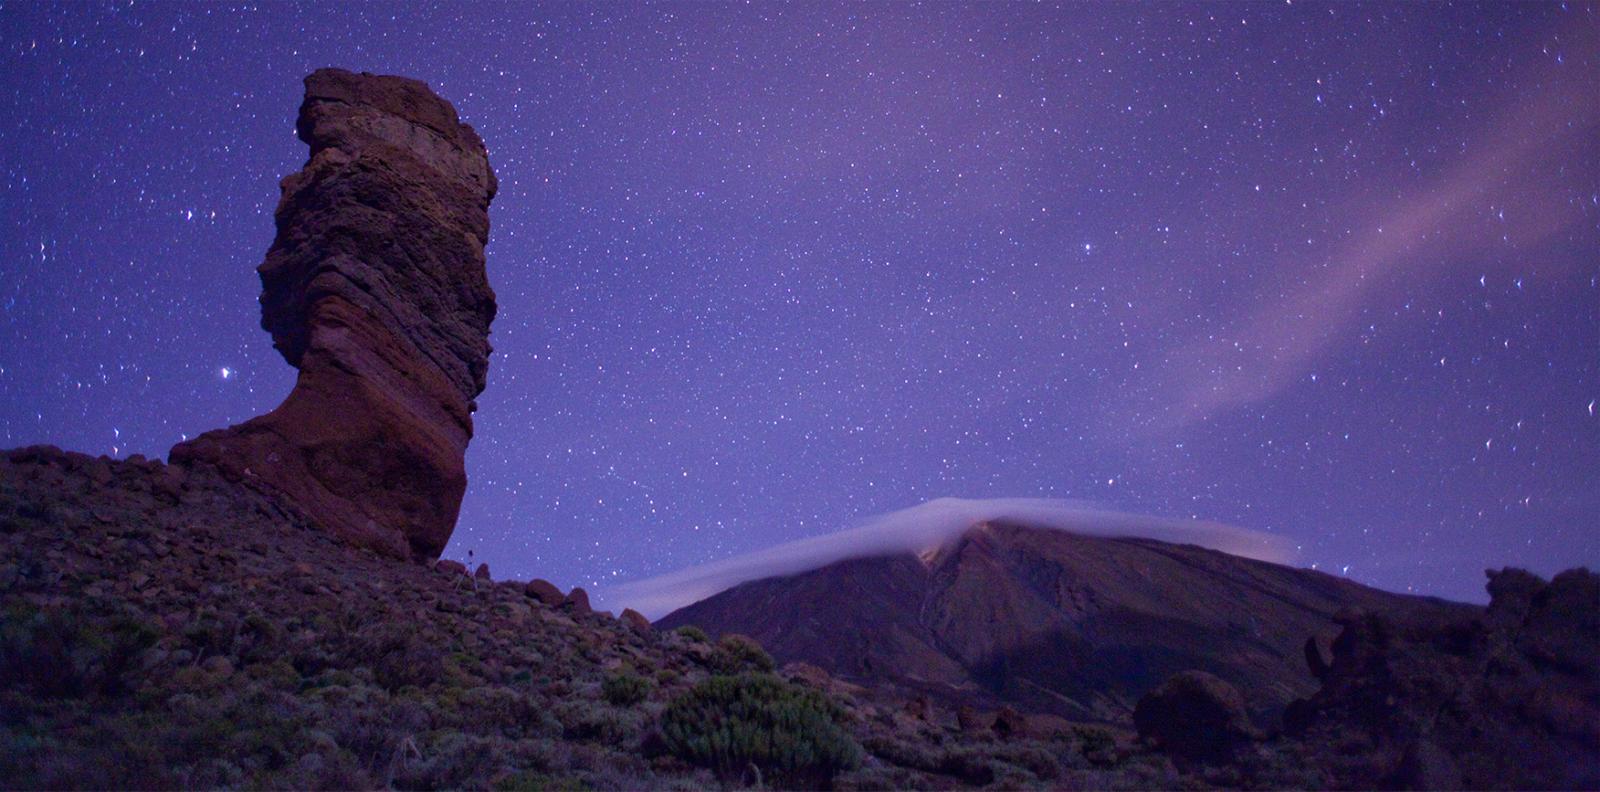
(226, 372)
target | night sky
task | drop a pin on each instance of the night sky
(1326, 271)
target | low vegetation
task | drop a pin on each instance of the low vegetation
(755, 728)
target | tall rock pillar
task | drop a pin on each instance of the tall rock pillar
(374, 288)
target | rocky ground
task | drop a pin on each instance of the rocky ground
(165, 628)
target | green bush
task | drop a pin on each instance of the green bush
(625, 689)
(733, 724)
(693, 633)
(738, 654)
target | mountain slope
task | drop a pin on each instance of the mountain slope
(1050, 621)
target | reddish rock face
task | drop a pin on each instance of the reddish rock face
(375, 289)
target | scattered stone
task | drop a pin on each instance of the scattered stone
(1009, 724)
(919, 707)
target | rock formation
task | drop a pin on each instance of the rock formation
(374, 288)
(1508, 697)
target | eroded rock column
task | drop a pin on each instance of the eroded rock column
(374, 288)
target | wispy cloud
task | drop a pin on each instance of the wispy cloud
(1509, 169)
(926, 527)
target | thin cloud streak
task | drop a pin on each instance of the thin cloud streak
(1407, 240)
(925, 527)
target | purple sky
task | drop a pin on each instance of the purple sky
(1330, 272)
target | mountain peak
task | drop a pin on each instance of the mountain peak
(1047, 619)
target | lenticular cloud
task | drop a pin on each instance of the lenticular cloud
(926, 527)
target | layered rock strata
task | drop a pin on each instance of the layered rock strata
(375, 289)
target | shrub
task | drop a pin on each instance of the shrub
(586, 719)
(398, 655)
(901, 752)
(972, 766)
(1096, 745)
(737, 654)
(693, 633)
(69, 654)
(731, 724)
(625, 689)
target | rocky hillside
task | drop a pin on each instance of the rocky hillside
(1050, 621)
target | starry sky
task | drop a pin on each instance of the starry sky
(1328, 271)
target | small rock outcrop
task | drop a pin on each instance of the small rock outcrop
(578, 602)
(375, 289)
(1195, 715)
(635, 619)
(544, 591)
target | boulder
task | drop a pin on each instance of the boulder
(482, 573)
(375, 289)
(1194, 715)
(450, 567)
(919, 707)
(635, 619)
(972, 722)
(544, 591)
(577, 602)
